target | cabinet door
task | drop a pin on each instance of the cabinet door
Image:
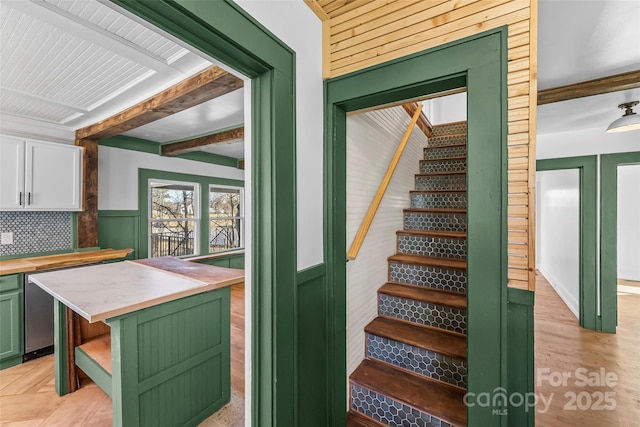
(11, 173)
(10, 324)
(52, 177)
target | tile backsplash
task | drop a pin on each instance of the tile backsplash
(36, 232)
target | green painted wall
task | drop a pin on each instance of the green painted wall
(119, 229)
(226, 261)
(520, 358)
(311, 386)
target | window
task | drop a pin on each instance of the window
(226, 218)
(174, 218)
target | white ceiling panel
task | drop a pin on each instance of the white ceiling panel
(119, 25)
(220, 113)
(585, 40)
(234, 148)
(24, 107)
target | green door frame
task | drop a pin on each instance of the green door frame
(227, 33)
(588, 293)
(609, 234)
(478, 63)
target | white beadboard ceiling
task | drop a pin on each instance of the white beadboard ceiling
(71, 63)
(65, 64)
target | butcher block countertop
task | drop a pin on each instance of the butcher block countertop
(49, 262)
(100, 292)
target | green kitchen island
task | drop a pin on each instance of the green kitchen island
(154, 334)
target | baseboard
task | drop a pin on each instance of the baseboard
(572, 303)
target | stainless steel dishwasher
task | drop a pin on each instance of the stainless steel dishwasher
(38, 319)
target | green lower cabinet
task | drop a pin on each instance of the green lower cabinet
(170, 363)
(11, 320)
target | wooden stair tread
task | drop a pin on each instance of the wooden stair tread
(356, 419)
(444, 158)
(433, 233)
(448, 135)
(435, 398)
(429, 210)
(459, 264)
(436, 191)
(425, 294)
(445, 146)
(426, 337)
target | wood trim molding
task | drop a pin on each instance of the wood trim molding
(204, 86)
(196, 143)
(615, 83)
(423, 122)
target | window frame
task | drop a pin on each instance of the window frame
(144, 175)
(197, 211)
(240, 216)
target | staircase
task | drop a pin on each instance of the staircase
(415, 369)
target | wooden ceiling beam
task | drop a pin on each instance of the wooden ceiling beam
(194, 144)
(615, 83)
(204, 86)
(423, 122)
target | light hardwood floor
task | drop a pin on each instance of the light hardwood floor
(562, 346)
(28, 398)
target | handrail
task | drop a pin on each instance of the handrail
(377, 198)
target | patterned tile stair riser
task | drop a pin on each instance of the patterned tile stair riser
(415, 369)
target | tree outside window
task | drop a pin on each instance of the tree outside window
(174, 218)
(226, 219)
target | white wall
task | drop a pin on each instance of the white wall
(297, 26)
(629, 222)
(372, 139)
(118, 174)
(558, 227)
(446, 109)
(585, 142)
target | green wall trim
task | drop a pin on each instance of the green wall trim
(312, 381)
(227, 33)
(311, 273)
(479, 63)
(609, 234)
(216, 159)
(130, 143)
(587, 167)
(213, 132)
(144, 175)
(520, 357)
(520, 296)
(151, 147)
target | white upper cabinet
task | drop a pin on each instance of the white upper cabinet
(39, 176)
